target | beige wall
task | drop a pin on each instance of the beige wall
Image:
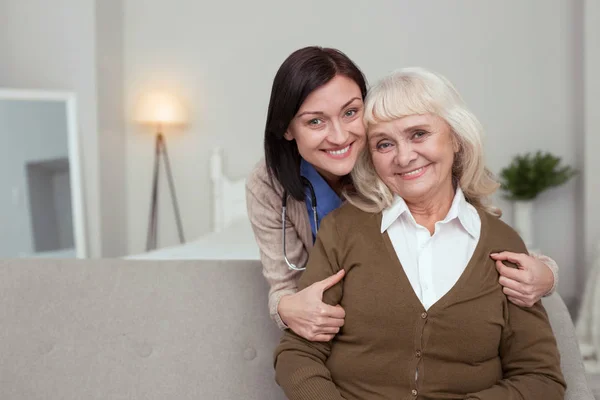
(592, 126)
(111, 126)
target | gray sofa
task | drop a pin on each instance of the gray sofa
(123, 329)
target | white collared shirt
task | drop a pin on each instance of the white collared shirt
(433, 263)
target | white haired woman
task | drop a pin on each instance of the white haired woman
(425, 315)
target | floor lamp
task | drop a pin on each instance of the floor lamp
(160, 151)
(161, 110)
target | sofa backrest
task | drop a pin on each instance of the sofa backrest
(116, 329)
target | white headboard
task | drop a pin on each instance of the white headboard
(229, 196)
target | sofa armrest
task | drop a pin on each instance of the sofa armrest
(571, 361)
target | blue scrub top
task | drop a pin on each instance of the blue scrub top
(327, 198)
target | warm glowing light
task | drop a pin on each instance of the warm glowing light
(159, 108)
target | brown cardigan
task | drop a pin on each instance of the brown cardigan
(471, 344)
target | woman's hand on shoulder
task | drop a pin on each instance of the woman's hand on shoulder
(305, 313)
(527, 284)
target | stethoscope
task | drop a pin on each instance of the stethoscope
(313, 199)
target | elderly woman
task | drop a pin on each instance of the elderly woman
(425, 315)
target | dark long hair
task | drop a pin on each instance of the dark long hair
(300, 74)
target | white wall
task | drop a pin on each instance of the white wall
(111, 127)
(512, 60)
(31, 131)
(51, 46)
(592, 126)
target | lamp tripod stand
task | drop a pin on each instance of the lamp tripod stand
(160, 150)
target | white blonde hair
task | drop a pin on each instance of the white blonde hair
(411, 91)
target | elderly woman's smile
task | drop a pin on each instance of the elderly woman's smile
(414, 174)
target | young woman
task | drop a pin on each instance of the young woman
(313, 135)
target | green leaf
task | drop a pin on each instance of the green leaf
(530, 174)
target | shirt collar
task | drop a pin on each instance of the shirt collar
(460, 209)
(327, 199)
(393, 212)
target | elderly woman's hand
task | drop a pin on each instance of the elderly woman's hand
(306, 314)
(526, 285)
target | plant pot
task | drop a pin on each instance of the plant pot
(523, 220)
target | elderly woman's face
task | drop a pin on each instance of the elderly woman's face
(413, 155)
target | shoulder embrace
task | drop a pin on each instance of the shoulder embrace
(501, 235)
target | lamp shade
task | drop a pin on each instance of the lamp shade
(159, 108)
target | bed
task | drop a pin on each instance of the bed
(232, 237)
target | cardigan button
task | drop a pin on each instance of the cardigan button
(414, 392)
(418, 353)
(424, 315)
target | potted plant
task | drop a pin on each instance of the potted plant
(524, 179)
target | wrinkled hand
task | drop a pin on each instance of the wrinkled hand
(526, 285)
(306, 314)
